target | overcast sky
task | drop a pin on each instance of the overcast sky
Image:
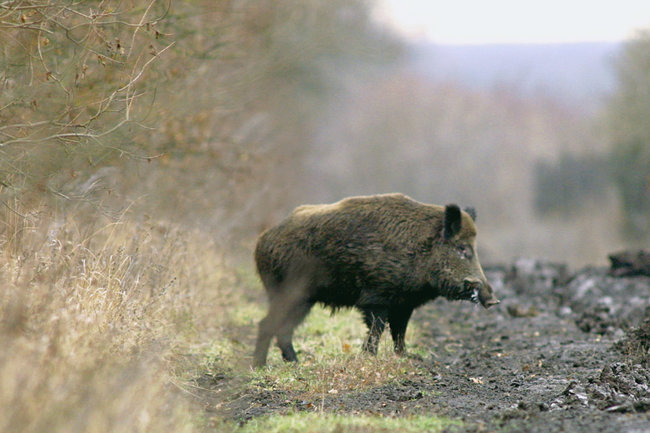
(512, 21)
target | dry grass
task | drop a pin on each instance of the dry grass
(92, 321)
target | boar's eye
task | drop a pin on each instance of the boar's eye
(465, 251)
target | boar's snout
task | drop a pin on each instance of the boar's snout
(481, 292)
(486, 297)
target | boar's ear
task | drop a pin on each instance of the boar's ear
(452, 222)
(471, 212)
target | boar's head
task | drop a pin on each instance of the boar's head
(459, 273)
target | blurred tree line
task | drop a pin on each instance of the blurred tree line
(192, 110)
(566, 183)
(627, 119)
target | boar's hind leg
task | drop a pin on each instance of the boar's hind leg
(285, 334)
(398, 319)
(268, 327)
(264, 335)
(284, 315)
(375, 319)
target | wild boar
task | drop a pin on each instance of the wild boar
(384, 255)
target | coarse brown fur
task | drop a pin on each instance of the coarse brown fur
(383, 254)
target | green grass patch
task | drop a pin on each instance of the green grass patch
(347, 373)
(305, 422)
(331, 360)
(327, 337)
(247, 314)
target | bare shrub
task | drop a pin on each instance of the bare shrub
(73, 82)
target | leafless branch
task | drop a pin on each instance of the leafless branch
(46, 18)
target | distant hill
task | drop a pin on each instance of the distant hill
(577, 74)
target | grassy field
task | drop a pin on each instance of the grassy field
(110, 326)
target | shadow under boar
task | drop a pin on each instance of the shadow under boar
(384, 255)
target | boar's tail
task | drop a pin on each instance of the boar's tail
(296, 277)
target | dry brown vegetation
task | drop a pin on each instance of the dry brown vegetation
(91, 320)
(104, 102)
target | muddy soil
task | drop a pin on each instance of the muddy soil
(562, 352)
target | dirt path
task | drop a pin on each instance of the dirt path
(549, 358)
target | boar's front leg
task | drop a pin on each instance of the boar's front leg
(375, 319)
(398, 319)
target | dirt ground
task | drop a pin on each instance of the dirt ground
(562, 352)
